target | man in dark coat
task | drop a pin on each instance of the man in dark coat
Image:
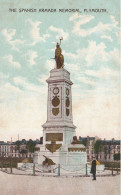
(93, 168)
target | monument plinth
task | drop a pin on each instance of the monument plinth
(59, 124)
(58, 146)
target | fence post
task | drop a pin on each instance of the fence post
(2, 166)
(58, 169)
(86, 170)
(6, 168)
(112, 171)
(11, 166)
(117, 168)
(34, 169)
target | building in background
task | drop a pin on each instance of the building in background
(89, 143)
(5, 148)
(19, 148)
(109, 149)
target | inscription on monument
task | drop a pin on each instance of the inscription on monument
(54, 136)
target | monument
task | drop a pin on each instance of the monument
(60, 145)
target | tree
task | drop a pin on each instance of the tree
(24, 151)
(117, 156)
(18, 143)
(106, 150)
(98, 147)
(84, 142)
(31, 146)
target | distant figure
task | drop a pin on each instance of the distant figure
(59, 57)
(93, 168)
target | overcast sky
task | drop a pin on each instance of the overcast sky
(91, 51)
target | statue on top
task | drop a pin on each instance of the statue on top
(58, 56)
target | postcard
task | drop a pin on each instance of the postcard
(59, 94)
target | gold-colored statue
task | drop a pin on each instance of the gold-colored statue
(58, 56)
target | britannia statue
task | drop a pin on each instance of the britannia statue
(58, 56)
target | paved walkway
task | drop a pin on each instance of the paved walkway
(35, 185)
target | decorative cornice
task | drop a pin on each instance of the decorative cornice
(77, 149)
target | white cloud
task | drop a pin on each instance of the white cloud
(93, 54)
(114, 56)
(83, 18)
(101, 28)
(60, 32)
(118, 35)
(9, 93)
(19, 80)
(24, 118)
(13, 63)
(70, 55)
(97, 115)
(35, 32)
(42, 79)
(54, 42)
(113, 20)
(104, 72)
(4, 76)
(74, 16)
(107, 37)
(32, 56)
(12, 89)
(73, 67)
(9, 35)
(50, 64)
(22, 111)
(86, 80)
(27, 86)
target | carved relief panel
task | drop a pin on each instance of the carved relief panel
(55, 94)
(67, 101)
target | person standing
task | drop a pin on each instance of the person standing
(93, 168)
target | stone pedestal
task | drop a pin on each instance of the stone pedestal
(58, 131)
(59, 125)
